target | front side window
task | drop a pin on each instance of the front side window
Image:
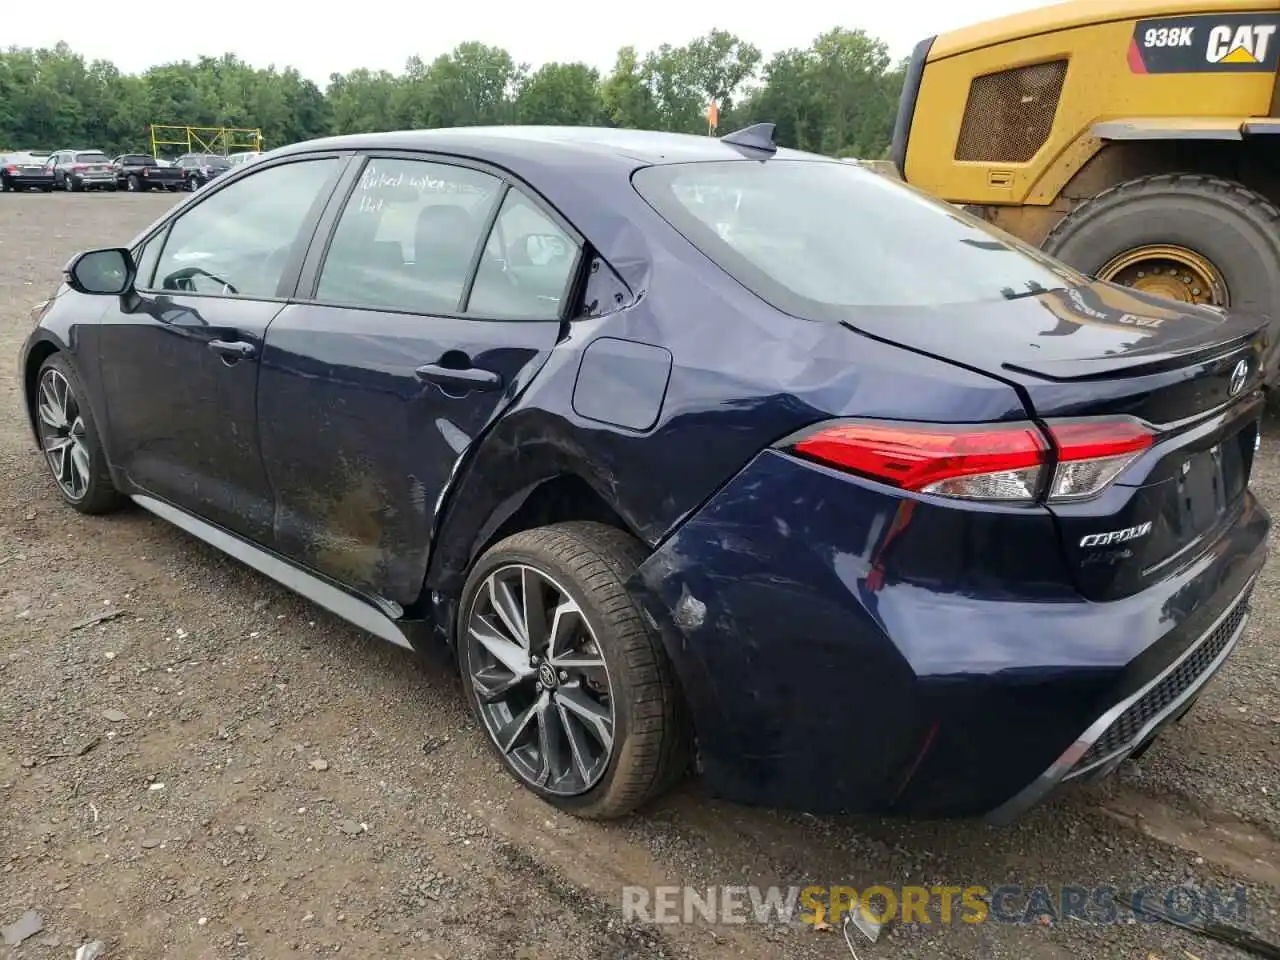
(527, 265)
(144, 259)
(238, 241)
(818, 239)
(408, 236)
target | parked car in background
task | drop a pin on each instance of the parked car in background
(243, 157)
(910, 518)
(137, 172)
(200, 168)
(81, 170)
(25, 170)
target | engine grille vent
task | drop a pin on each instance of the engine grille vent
(1010, 114)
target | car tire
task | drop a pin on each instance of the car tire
(623, 681)
(69, 185)
(94, 492)
(133, 184)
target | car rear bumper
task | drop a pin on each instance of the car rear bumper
(821, 678)
(29, 179)
(1131, 724)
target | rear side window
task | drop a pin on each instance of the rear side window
(816, 238)
(527, 265)
(408, 237)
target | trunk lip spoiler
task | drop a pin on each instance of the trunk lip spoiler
(1085, 369)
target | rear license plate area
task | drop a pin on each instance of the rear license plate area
(1201, 492)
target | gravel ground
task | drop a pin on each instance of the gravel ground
(223, 770)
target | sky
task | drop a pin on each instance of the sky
(320, 38)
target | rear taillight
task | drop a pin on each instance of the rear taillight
(1013, 462)
(11, 168)
(78, 167)
(1091, 453)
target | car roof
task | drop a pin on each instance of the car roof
(606, 144)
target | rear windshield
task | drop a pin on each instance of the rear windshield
(815, 238)
(137, 160)
(93, 156)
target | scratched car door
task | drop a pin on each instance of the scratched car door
(411, 340)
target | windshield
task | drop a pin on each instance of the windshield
(814, 237)
(93, 156)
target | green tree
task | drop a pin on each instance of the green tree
(561, 93)
(837, 96)
(626, 95)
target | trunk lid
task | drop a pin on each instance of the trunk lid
(1096, 349)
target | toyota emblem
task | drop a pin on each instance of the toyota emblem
(1238, 376)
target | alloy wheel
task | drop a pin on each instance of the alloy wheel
(541, 681)
(62, 434)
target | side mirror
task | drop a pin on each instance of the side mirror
(107, 272)
(540, 249)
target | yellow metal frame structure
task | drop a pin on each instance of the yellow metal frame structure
(221, 140)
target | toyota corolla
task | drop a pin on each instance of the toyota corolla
(695, 452)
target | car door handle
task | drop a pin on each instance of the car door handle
(233, 349)
(468, 378)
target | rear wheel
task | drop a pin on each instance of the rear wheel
(571, 685)
(133, 184)
(70, 441)
(1187, 237)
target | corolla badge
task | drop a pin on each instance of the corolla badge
(1116, 536)
(1238, 377)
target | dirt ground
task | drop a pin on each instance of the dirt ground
(224, 770)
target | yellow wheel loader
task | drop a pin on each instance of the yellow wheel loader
(1136, 140)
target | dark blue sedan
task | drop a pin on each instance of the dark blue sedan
(693, 451)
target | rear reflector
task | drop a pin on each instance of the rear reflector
(998, 462)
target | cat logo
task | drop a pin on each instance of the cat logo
(1245, 44)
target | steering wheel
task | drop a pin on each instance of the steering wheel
(190, 273)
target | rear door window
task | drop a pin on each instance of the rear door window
(528, 264)
(818, 239)
(408, 237)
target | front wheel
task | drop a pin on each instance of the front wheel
(69, 439)
(571, 685)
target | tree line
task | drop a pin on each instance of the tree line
(837, 96)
